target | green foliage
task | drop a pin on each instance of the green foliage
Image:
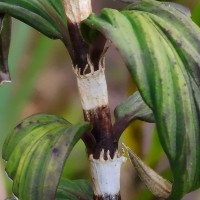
(73, 190)
(11, 102)
(46, 16)
(154, 149)
(134, 108)
(36, 152)
(161, 47)
(196, 14)
(130, 110)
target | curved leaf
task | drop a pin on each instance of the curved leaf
(74, 190)
(13, 103)
(131, 109)
(155, 183)
(179, 7)
(5, 34)
(161, 47)
(47, 16)
(36, 152)
(134, 108)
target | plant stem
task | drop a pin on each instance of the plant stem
(105, 161)
(106, 175)
(89, 67)
(77, 11)
(94, 99)
(5, 34)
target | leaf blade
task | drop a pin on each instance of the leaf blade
(76, 189)
(35, 14)
(166, 76)
(36, 163)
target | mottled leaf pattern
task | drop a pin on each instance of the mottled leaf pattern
(36, 152)
(161, 47)
(47, 16)
(74, 190)
(129, 110)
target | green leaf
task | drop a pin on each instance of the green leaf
(179, 7)
(161, 47)
(134, 108)
(154, 149)
(130, 110)
(5, 34)
(36, 152)
(74, 190)
(47, 16)
(15, 96)
(196, 13)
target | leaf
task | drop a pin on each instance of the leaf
(36, 152)
(14, 98)
(154, 149)
(155, 183)
(131, 109)
(5, 34)
(196, 13)
(161, 47)
(179, 7)
(74, 190)
(134, 108)
(46, 16)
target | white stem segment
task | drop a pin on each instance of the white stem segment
(77, 10)
(5, 77)
(92, 87)
(4, 82)
(106, 174)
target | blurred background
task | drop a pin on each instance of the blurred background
(43, 81)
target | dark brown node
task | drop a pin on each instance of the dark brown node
(108, 197)
(102, 131)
